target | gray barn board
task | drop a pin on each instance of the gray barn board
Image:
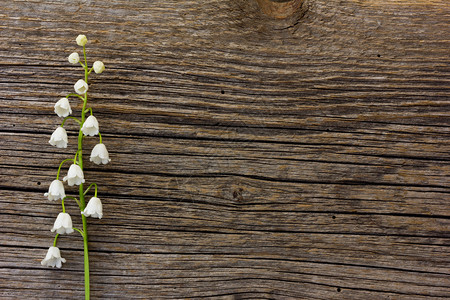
(253, 157)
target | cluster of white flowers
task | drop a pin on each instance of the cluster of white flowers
(89, 127)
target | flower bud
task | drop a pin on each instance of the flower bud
(74, 58)
(81, 87)
(81, 40)
(90, 126)
(59, 138)
(99, 67)
(62, 107)
(100, 155)
(74, 175)
(56, 190)
(53, 258)
(94, 208)
(63, 224)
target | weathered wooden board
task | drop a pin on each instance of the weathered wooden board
(256, 158)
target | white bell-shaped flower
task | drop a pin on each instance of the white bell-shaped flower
(81, 87)
(74, 175)
(59, 138)
(56, 190)
(90, 126)
(74, 58)
(63, 224)
(81, 40)
(99, 67)
(62, 107)
(94, 208)
(53, 258)
(100, 155)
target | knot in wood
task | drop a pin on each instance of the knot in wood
(280, 9)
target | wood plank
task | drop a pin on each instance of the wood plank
(252, 158)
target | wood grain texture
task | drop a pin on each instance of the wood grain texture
(252, 158)
(280, 9)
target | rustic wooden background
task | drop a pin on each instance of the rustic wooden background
(304, 158)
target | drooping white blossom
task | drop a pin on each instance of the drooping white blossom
(62, 107)
(90, 126)
(56, 190)
(81, 40)
(94, 208)
(99, 67)
(81, 87)
(53, 258)
(100, 155)
(63, 224)
(59, 138)
(74, 175)
(74, 58)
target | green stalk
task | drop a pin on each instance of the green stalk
(56, 239)
(60, 165)
(81, 189)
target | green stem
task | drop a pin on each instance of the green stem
(87, 190)
(86, 260)
(100, 137)
(60, 165)
(73, 94)
(73, 118)
(89, 110)
(63, 207)
(76, 200)
(81, 232)
(75, 157)
(81, 189)
(54, 241)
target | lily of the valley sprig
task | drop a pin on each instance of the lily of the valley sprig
(88, 126)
